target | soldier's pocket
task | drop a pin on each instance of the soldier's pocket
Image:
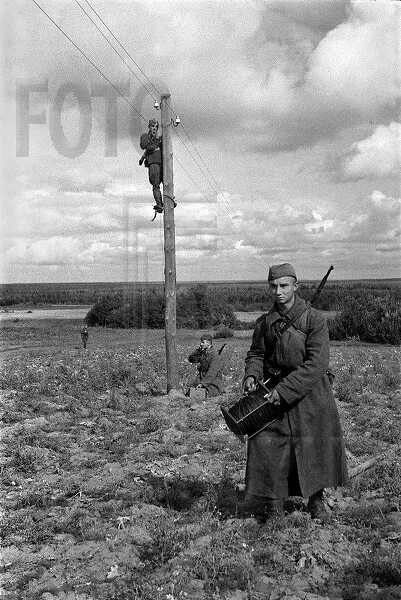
(290, 349)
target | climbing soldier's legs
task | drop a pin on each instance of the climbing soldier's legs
(155, 177)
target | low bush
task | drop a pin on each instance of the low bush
(197, 308)
(369, 319)
(223, 333)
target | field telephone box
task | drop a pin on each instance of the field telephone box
(197, 393)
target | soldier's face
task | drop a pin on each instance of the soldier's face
(284, 289)
(205, 344)
(153, 130)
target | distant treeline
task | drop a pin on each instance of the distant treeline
(197, 308)
(369, 319)
(242, 296)
(364, 316)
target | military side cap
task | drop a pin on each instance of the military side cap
(207, 336)
(284, 270)
(153, 122)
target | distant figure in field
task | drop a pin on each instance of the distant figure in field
(209, 367)
(84, 335)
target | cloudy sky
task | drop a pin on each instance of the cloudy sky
(289, 148)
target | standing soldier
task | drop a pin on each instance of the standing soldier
(152, 144)
(84, 335)
(209, 367)
(302, 452)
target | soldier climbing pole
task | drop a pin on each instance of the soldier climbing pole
(169, 245)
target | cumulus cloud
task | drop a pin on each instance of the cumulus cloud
(56, 250)
(82, 181)
(374, 223)
(198, 242)
(44, 213)
(302, 69)
(348, 76)
(377, 155)
(379, 222)
(354, 65)
(257, 87)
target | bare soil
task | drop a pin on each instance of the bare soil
(114, 490)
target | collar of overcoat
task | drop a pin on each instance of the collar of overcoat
(275, 314)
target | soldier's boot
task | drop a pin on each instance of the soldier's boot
(275, 507)
(260, 507)
(317, 509)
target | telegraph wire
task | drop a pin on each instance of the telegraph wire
(208, 176)
(91, 62)
(115, 87)
(126, 51)
(115, 50)
(216, 206)
(146, 88)
(140, 114)
(219, 191)
(218, 188)
(182, 141)
(139, 68)
(193, 158)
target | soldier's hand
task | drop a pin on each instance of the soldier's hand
(273, 398)
(249, 384)
(199, 386)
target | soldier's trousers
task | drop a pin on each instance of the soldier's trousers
(155, 178)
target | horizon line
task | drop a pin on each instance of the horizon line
(192, 281)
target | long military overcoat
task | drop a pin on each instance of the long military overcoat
(303, 451)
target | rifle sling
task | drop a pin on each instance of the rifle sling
(292, 321)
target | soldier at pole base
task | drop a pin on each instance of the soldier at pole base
(208, 361)
(302, 452)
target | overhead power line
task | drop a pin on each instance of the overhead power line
(209, 176)
(110, 44)
(125, 50)
(88, 59)
(217, 187)
(216, 206)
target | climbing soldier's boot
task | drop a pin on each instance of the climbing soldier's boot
(157, 195)
(317, 509)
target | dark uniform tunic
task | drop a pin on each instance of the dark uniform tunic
(153, 147)
(209, 371)
(303, 451)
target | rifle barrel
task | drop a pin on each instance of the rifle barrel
(321, 286)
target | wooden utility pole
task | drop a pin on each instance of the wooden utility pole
(169, 246)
